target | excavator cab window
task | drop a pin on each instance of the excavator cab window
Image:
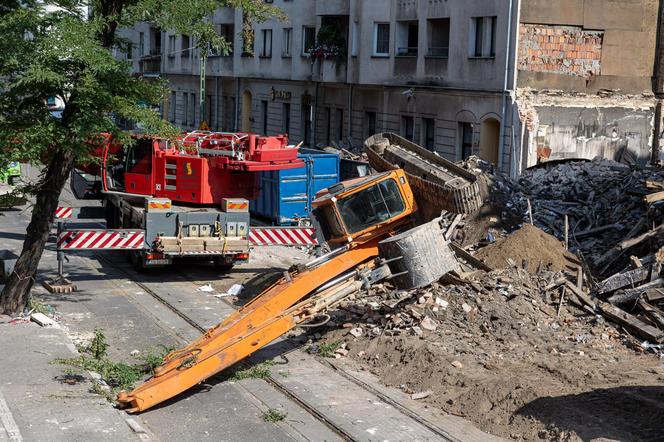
(326, 219)
(371, 206)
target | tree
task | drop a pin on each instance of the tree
(54, 48)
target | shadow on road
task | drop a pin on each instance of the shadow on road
(622, 413)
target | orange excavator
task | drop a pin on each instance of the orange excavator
(352, 217)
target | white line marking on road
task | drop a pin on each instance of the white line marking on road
(8, 421)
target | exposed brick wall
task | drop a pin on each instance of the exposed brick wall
(568, 50)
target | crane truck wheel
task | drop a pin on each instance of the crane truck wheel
(222, 263)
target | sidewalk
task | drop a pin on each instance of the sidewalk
(35, 405)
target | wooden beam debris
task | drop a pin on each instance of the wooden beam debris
(631, 322)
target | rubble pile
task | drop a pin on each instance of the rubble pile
(487, 346)
(602, 199)
(560, 290)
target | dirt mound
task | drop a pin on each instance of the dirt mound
(541, 251)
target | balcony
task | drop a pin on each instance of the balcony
(330, 71)
(152, 54)
(150, 67)
(332, 7)
(408, 51)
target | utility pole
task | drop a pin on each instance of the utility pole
(201, 101)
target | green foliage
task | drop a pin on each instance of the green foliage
(117, 375)
(274, 415)
(259, 371)
(152, 360)
(58, 52)
(327, 349)
(38, 306)
(98, 345)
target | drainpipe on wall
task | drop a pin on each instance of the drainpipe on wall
(503, 113)
(314, 120)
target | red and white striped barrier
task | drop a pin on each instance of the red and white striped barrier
(101, 239)
(63, 212)
(282, 236)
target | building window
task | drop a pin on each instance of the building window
(381, 39)
(266, 47)
(227, 32)
(407, 127)
(130, 51)
(308, 39)
(328, 126)
(465, 137)
(287, 43)
(407, 38)
(192, 110)
(185, 111)
(439, 37)
(171, 45)
(141, 44)
(370, 118)
(264, 112)
(429, 133)
(173, 106)
(208, 110)
(184, 46)
(340, 124)
(285, 118)
(482, 37)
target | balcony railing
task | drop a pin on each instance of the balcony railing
(408, 51)
(438, 51)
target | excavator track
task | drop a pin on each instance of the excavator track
(438, 183)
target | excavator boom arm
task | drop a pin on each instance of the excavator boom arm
(267, 317)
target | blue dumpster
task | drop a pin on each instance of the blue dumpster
(286, 195)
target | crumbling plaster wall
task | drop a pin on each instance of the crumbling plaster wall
(618, 128)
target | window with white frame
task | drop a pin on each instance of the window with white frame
(308, 39)
(381, 39)
(287, 42)
(482, 39)
(266, 46)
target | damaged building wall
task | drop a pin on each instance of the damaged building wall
(573, 127)
(584, 87)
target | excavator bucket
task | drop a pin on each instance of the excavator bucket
(386, 204)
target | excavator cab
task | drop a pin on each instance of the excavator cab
(359, 209)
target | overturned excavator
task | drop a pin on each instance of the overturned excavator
(370, 226)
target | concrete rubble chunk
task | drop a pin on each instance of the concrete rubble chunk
(42, 319)
(357, 332)
(428, 324)
(421, 394)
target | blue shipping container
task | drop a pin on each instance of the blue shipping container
(286, 195)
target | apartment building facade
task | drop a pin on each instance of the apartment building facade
(460, 78)
(432, 70)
